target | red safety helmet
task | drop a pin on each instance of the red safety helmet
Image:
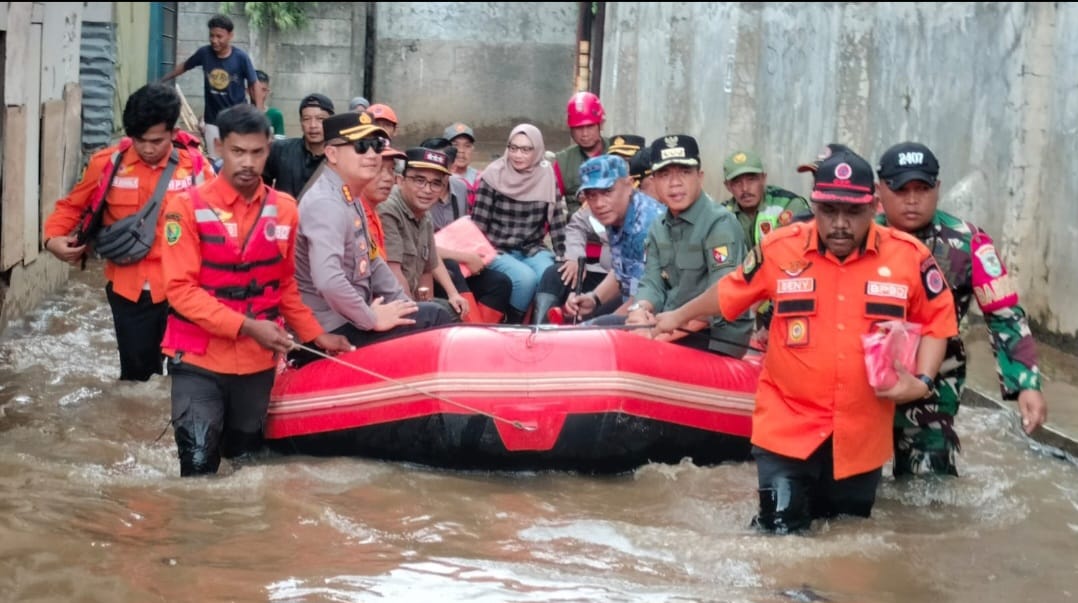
(585, 110)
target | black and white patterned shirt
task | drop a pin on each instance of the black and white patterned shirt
(511, 224)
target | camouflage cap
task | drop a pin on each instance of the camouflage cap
(601, 172)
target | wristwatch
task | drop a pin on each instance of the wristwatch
(636, 306)
(930, 382)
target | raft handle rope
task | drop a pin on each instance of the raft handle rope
(492, 416)
(544, 328)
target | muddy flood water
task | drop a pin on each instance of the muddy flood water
(92, 508)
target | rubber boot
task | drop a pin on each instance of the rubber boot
(239, 443)
(544, 303)
(764, 520)
(785, 508)
(198, 450)
(515, 317)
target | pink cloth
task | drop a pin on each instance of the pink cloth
(463, 235)
(892, 340)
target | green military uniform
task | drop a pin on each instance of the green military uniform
(778, 208)
(689, 253)
(925, 440)
(569, 161)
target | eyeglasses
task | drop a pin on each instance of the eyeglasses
(366, 144)
(421, 182)
(515, 149)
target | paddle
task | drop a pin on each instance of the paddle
(580, 272)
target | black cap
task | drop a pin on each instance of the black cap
(351, 126)
(679, 149)
(844, 177)
(320, 101)
(908, 161)
(824, 153)
(427, 159)
(640, 164)
(441, 144)
(625, 145)
(437, 143)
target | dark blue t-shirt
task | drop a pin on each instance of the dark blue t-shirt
(226, 79)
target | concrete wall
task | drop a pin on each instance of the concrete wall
(133, 49)
(489, 64)
(990, 87)
(40, 142)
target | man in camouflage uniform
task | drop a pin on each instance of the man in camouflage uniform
(759, 207)
(925, 440)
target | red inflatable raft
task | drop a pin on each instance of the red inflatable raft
(514, 398)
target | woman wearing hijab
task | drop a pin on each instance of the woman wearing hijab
(516, 203)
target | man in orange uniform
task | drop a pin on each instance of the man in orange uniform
(229, 274)
(821, 433)
(136, 292)
(376, 192)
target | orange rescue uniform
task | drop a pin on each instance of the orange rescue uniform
(377, 233)
(132, 187)
(228, 351)
(814, 383)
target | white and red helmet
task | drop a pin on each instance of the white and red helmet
(584, 110)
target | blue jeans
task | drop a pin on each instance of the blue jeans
(524, 271)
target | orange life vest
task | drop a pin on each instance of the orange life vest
(242, 275)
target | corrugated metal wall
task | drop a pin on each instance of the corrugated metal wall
(97, 74)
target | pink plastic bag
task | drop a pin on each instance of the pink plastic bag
(890, 341)
(463, 235)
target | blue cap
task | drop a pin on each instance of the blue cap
(602, 172)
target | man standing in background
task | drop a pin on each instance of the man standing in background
(759, 206)
(273, 114)
(229, 77)
(293, 161)
(584, 115)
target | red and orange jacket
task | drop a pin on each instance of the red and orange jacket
(131, 189)
(227, 351)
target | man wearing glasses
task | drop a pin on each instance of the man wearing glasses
(410, 249)
(340, 273)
